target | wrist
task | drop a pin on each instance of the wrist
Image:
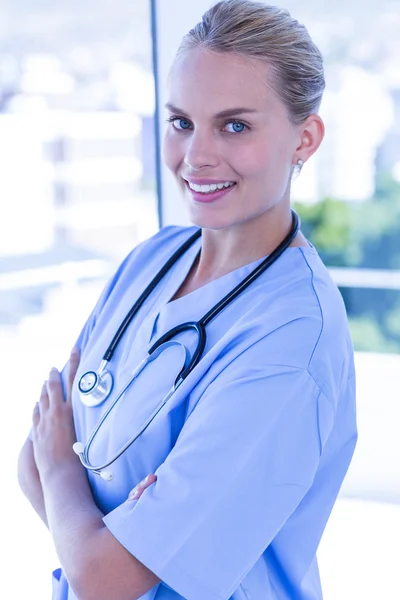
(62, 474)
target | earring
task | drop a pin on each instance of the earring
(296, 169)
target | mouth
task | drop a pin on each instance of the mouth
(209, 191)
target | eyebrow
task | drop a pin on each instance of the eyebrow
(230, 112)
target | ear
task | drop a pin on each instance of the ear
(312, 132)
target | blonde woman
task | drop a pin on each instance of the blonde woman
(256, 428)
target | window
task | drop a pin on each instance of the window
(77, 193)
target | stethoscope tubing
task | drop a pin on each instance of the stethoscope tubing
(84, 456)
(143, 297)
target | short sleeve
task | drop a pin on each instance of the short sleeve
(242, 463)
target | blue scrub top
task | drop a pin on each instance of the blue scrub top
(252, 449)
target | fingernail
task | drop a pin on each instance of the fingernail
(146, 479)
(74, 351)
(53, 371)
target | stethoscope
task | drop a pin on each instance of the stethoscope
(95, 386)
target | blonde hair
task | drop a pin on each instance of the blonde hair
(255, 30)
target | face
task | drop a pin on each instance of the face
(229, 140)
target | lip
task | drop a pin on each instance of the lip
(202, 198)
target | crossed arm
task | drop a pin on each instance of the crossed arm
(55, 482)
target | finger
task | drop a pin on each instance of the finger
(135, 493)
(73, 365)
(140, 487)
(54, 387)
(35, 422)
(43, 403)
(36, 415)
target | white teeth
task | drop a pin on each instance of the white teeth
(206, 189)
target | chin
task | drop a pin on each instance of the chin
(210, 221)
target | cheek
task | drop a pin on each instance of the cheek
(263, 161)
(252, 161)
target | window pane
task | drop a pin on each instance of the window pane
(77, 193)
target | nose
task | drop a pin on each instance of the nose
(201, 151)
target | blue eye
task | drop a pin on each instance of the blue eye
(183, 123)
(237, 127)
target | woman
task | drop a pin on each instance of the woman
(248, 455)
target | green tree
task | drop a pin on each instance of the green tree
(363, 235)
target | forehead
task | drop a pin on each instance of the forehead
(201, 79)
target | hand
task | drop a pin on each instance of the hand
(53, 424)
(139, 489)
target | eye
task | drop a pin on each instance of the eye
(179, 123)
(236, 126)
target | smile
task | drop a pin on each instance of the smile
(207, 189)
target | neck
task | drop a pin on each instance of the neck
(228, 249)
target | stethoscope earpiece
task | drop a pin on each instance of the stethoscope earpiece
(78, 448)
(106, 475)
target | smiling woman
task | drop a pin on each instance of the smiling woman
(247, 453)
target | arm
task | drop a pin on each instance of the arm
(244, 460)
(27, 472)
(29, 480)
(28, 475)
(83, 543)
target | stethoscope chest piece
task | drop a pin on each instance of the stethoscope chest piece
(94, 387)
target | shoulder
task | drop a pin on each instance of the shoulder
(153, 252)
(332, 359)
(141, 264)
(169, 237)
(302, 320)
